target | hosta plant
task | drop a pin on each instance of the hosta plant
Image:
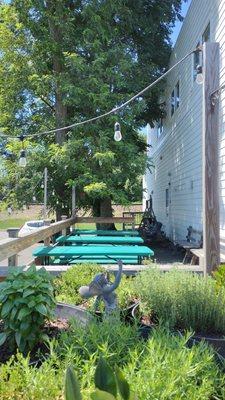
(26, 301)
(108, 384)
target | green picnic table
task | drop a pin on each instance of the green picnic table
(104, 232)
(79, 252)
(91, 239)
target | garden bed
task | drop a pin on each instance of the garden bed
(162, 366)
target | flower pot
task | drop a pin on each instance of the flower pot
(143, 328)
(217, 342)
(67, 311)
(125, 313)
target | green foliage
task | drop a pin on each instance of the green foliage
(64, 62)
(219, 275)
(161, 368)
(105, 382)
(26, 301)
(68, 284)
(183, 300)
(21, 381)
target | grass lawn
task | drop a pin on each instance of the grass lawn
(12, 223)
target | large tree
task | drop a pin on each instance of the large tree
(63, 61)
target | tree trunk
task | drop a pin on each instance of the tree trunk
(103, 208)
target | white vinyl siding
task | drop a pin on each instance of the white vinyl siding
(177, 153)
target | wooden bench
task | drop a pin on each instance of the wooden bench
(198, 254)
(194, 240)
(80, 252)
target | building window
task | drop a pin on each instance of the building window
(172, 103)
(206, 34)
(160, 128)
(198, 54)
(177, 93)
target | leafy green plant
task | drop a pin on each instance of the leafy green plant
(219, 275)
(68, 284)
(107, 384)
(26, 301)
(183, 300)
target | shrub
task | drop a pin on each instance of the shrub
(21, 381)
(219, 275)
(26, 301)
(161, 368)
(183, 300)
(68, 284)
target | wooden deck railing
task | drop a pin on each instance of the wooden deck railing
(12, 246)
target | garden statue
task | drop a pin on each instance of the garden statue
(103, 289)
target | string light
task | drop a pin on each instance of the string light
(22, 159)
(116, 109)
(117, 132)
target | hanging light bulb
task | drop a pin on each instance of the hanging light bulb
(53, 193)
(34, 198)
(22, 159)
(42, 186)
(199, 76)
(57, 202)
(117, 132)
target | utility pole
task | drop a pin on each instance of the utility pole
(45, 191)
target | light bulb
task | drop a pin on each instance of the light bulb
(57, 202)
(117, 132)
(199, 76)
(22, 159)
(42, 185)
(34, 198)
(53, 193)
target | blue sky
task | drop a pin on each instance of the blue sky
(178, 24)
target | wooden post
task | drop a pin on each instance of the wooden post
(47, 222)
(64, 217)
(210, 145)
(13, 260)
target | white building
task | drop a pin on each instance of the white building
(176, 181)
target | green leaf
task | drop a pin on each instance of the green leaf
(41, 309)
(23, 313)
(18, 338)
(105, 378)
(6, 308)
(122, 385)
(72, 387)
(28, 292)
(3, 338)
(101, 395)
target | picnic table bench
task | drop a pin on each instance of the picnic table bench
(75, 253)
(91, 239)
(102, 232)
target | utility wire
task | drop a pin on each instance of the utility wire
(116, 109)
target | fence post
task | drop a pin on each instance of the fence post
(13, 260)
(64, 217)
(47, 222)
